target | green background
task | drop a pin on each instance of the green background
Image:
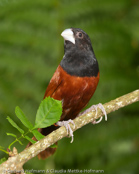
(30, 50)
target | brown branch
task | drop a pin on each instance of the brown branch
(16, 162)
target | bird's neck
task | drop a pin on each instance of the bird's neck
(82, 64)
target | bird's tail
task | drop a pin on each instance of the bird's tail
(49, 151)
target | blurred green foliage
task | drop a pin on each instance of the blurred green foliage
(30, 50)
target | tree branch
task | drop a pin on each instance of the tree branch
(16, 162)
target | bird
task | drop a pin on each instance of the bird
(74, 81)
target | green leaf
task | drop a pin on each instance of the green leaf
(49, 112)
(10, 134)
(2, 160)
(37, 134)
(19, 113)
(15, 125)
(30, 139)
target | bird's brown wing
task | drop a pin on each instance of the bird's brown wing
(51, 90)
(54, 84)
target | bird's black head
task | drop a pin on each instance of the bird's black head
(79, 58)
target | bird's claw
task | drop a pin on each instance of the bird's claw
(67, 126)
(95, 107)
(100, 106)
(98, 121)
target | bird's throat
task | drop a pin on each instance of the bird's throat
(80, 65)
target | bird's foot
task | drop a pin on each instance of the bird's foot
(67, 126)
(95, 107)
(100, 106)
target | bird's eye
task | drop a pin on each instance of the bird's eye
(80, 35)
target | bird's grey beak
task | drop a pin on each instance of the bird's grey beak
(68, 35)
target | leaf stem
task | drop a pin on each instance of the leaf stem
(4, 151)
(9, 147)
(17, 139)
